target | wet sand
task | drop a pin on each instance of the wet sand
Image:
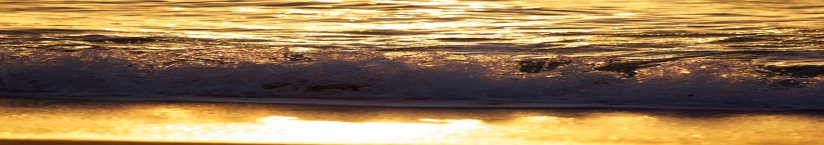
(92, 122)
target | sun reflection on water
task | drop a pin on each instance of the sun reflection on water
(591, 28)
(198, 123)
(294, 130)
(462, 33)
(527, 20)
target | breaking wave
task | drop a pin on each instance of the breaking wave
(238, 74)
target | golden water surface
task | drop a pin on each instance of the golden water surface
(162, 45)
(627, 29)
(256, 123)
(516, 25)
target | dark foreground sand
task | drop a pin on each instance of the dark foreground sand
(89, 122)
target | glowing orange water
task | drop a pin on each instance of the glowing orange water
(248, 123)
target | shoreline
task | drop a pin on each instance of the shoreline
(401, 103)
(33, 121)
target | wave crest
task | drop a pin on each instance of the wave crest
(394, 75)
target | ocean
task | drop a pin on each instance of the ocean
(692, 54)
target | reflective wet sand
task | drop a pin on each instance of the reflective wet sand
(147, 122)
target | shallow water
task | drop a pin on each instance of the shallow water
(756, 54)
(145, 122)
(649, 28)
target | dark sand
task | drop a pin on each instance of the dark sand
(93, 122)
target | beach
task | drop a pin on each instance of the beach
(65, 121)
(558, 72)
